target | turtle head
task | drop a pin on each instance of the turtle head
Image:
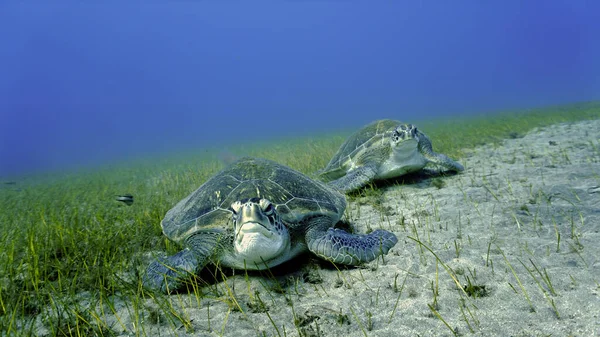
(260, 234)
(405, 138)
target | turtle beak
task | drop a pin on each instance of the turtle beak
(251, 213)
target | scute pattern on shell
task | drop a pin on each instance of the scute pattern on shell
(294, 195)
(365, 137)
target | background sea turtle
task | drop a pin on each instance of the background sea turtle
(256, 214)
(383, 149)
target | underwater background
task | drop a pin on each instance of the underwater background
(84, 84)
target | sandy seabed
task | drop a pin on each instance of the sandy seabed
(521, 226)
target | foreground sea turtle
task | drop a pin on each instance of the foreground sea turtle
(256, 214)
(381, 150)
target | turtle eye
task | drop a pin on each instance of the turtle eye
(235, 207)
(269, 209)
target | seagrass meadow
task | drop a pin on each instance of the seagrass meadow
(71, 256)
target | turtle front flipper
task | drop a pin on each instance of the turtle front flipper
(168, 274)
(447, 163)
(355, 178)
(339, 246)
(426, 149)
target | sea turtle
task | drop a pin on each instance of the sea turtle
(383, 149)
(256, 214)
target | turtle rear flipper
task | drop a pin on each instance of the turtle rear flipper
(339, 246)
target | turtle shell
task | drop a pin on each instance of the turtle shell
(294, 195)
(371, 138)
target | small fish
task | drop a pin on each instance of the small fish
(126, 198)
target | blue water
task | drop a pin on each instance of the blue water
(88, 83)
